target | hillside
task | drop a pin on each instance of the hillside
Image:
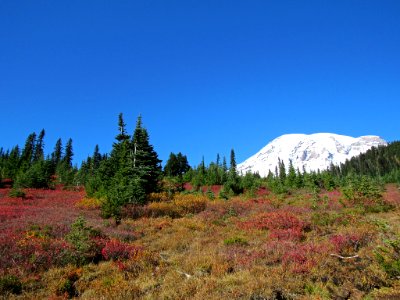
(272, 246)
(120, 227)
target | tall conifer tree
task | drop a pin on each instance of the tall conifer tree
(28, 152)
(39, 147)
(145, 159)
(57, 153)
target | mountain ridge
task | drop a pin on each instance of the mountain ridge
(308, 151)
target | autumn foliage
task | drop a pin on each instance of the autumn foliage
(54, 244)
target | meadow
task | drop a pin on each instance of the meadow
(298, 245)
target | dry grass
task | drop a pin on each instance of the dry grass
(238, 249)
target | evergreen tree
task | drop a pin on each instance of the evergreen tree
(183, 164)
(282, 170)
(224, 173)
(145, 160)
(291, 176)
(203, 167)
(57, 154)
(232, 168)
(171, 168)
(37, 176)
(328, 180)
(233, 184)
(96, 158)
(39, 151)
(12, 163)
(122, 136)
(28, 152)
(117, 179)
(212, 174)
(177, 165)
(88, 170)
(65, 171)
(131, 172)
(299, 179)
(199, 179)
(67, 159)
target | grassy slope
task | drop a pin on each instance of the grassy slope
(270, 247)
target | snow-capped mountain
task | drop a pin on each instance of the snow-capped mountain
(313, 152)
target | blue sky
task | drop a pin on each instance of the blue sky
(206, 76)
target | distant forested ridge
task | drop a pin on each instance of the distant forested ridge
(378, 162)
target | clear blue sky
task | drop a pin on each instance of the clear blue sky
(207, 76)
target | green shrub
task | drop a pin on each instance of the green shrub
(388, 257)
(17, 193)
(329, 219)
(223, 194)
(210, 194)
(361, 188)
(67, 287)
(81, 238)
(10, 285)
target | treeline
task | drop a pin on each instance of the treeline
(377, 166)
(216, 173)
(128, 174)
(28, 167)
(132, 171)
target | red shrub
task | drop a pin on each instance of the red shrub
(262, 191)
(302, 258)
(116, 250)
(289, 234)
(282, 225)
(392, 194)
(348, 244)
(25, 252)
(275, 220)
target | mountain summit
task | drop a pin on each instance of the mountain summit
(311, 152)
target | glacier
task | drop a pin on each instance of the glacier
(310, 152)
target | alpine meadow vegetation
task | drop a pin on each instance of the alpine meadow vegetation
(120, 226)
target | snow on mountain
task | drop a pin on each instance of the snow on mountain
(313, 152)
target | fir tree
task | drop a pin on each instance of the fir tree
(145, 160)
(122, 136)
(96, 158)
(28, 152)
(67, 159)
(177, 165)
(171, 168)
(56, 155)
(131, 173)
(12, 163)
(38, 149)
(65, 171)
(224, 170)
(291, 176)
(282, 170)
(233, 182)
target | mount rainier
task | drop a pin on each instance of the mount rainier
(311, 152)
